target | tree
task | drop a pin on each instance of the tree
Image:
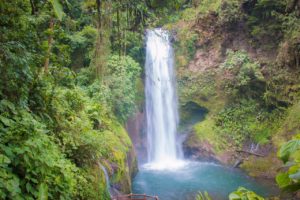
(58, 10)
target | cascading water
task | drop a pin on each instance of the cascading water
(161, 101)
(107, 182)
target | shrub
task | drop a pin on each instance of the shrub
(230, 13)
(31, 163)
(243, 77)
(121, 80)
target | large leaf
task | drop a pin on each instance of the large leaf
(204, 196)
(58, 9)
(287, 149)
(7, 104)
(4, 160)
(234, 196)
(5, 121)
(295, 175)
(43, 192)
(244, 194)
(283, 180)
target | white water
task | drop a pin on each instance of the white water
(161, 103)
(107, 182)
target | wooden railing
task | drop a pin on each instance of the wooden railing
(135, 197)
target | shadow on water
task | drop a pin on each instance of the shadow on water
(184, 183)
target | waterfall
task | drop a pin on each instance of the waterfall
(254, 148)
(107, 182)
(161, 101)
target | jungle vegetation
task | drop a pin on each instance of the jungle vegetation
(72, 75)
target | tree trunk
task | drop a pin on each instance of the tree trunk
(98, 2)
(119, 32)
(50, 41)
(32, 7)
(292, 6)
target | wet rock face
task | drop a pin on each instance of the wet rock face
(123, 185)
(195, 150)
(214, 41)
(190, 114)
(136, 127)
(132, 162)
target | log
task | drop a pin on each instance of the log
(238, 163)
(252, 153)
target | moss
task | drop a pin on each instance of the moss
(282, 129)
(185, 37)
(202, 89)
(293, 118)
(210, 6)
(118, 145)
(140, 97)
(206, 130)
(289, 127)
(191, 113)
(185, 45)
(262, 166)
(122, 134)
(189, 14)
(94, 185)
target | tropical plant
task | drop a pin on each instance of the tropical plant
(32, 164)
(244, 194)
(289, 153)
(203, 196)
(121, 78)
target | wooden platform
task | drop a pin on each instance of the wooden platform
(135, 197)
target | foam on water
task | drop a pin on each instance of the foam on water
(169, 165)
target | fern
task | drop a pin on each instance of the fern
(203, 196)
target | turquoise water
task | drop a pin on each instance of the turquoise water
(184, 183)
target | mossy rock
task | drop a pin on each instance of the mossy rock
(263, 167)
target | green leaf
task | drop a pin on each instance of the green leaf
(287, 149)
(207, 196)
(8, 104)
(295, 175)
(4, 160)
(244, 194)
(200, 196)
(58, 9)
(283, 180)
(234, 196)
(5, 121)
(43, 192)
